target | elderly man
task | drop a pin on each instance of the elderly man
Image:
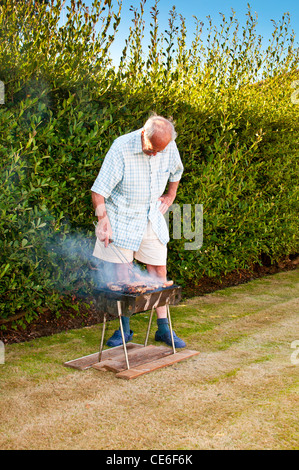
(130, 205)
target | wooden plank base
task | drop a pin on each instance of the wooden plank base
(136, 357)
(86, 362)
(142, 360)
(141, 369)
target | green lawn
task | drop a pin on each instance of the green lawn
(240, 392)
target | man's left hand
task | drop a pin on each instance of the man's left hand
(166, 201)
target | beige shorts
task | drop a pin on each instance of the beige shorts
(151, 250)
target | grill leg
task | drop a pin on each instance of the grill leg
(170, 327)
(122, 333)
(102, 339)
(149, 326)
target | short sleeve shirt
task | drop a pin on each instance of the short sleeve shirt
(131, 183)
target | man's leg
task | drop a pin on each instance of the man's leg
(122, 273)
(160, 272)
(113, 271)
(117, 272)
(163, 333)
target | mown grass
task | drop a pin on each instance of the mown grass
(240, 392)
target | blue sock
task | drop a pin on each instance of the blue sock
(126, 324)
(163, 326)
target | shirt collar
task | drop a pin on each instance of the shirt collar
(137, 142)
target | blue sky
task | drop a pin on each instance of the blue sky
(266, 10)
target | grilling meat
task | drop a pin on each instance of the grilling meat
(114, 287)
(136, 287)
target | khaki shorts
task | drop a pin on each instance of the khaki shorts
(151, 250)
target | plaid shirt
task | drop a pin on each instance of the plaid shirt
(131, 183)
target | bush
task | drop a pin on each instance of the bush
(65, 103)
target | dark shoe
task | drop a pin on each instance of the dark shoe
(116, 339)
(166, 338)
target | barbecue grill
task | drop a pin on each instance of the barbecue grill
(118, 304)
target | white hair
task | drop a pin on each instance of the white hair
(158, 125)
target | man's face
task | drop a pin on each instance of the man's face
(154, 145)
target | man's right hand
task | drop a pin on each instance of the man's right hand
(103, 227)
(104, 231)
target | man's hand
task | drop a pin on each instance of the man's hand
(104, 231)
(168, 198)
(166, 201)
(103, 227)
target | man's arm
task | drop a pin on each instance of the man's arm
(168, 198)
(98, 202)
(176, 170)
(103, 229)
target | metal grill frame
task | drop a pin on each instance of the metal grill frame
(136, 303)
(119, 304)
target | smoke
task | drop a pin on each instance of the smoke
(125, 273)
(72, 254)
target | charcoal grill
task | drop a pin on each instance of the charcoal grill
(118, 304)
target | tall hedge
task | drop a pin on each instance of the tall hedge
(65, 103)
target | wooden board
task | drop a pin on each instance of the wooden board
(158, 364)
(86, 362)
(142, 360)
(136, 357)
